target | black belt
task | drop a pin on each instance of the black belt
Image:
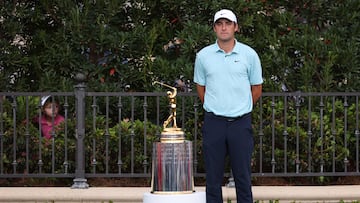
(230, 119)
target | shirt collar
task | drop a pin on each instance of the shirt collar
(235, 50)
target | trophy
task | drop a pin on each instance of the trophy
(172, 160)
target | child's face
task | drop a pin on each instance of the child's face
(51, 109)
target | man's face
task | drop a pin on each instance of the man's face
(225, 29)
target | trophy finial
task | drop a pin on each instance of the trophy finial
(172, 100)
(171, 134)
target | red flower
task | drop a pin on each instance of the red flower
(112, 71)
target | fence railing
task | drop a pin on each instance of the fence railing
(110, 134)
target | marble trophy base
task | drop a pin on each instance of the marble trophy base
(195, 197)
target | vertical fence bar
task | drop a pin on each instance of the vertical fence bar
(273, 161)
(297, 105)
(14, 162)
(1, 135)
(196, 118)
(333, 134)
(93, 160)
(52, 137)
(158, 134)
(107, 135)
(66, 161)
(309, 134)
(285, 134)
(132, 134)
(80, 182)
(27, 134)
(40, 161)
(346, 106)
(145, 161)
(120, 162)
(322, 134)
(357, 134)
(261, 136)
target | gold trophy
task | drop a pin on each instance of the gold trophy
(172, 161)
(171, 134)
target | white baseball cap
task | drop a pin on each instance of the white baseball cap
(225, 13)
(44, 99)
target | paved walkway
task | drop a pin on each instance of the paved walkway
(348, 193)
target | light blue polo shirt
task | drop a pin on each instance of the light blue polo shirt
(227, 78)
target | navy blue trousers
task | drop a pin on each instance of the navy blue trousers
(233, 138)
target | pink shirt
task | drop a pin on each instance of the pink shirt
(46, 127)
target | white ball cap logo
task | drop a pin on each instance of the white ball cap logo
(225, 13)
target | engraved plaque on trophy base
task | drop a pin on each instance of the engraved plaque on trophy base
(172, 135)
(172, 168)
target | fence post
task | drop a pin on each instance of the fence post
(80, 181)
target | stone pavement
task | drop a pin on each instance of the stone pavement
(285, 194)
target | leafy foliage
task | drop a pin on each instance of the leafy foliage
(125, 45)
(110, 148)
(298, 138)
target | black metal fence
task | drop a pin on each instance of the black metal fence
(110, 134)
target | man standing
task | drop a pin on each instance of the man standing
(228, 79)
